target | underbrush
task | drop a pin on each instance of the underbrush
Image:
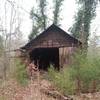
(62, 80)
(82, 76)
(21, 73)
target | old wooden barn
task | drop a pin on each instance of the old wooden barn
(53, 46)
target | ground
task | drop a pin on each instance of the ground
(11, 90)
(36, 90)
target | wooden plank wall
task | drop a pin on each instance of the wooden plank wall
(65, 55)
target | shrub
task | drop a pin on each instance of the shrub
(85, 72)
(62, 80)
(21, 73)
(83, 75)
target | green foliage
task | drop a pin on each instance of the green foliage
(62, 81)
(85, 14)
(39, 18)
(57, 10)
(21, 73)
(76, 29)
(86, 71)
(79, 76)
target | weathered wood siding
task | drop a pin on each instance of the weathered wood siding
(65, 55)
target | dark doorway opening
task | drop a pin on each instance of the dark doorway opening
(45, 57)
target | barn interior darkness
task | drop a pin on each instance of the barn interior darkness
(44, 57)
